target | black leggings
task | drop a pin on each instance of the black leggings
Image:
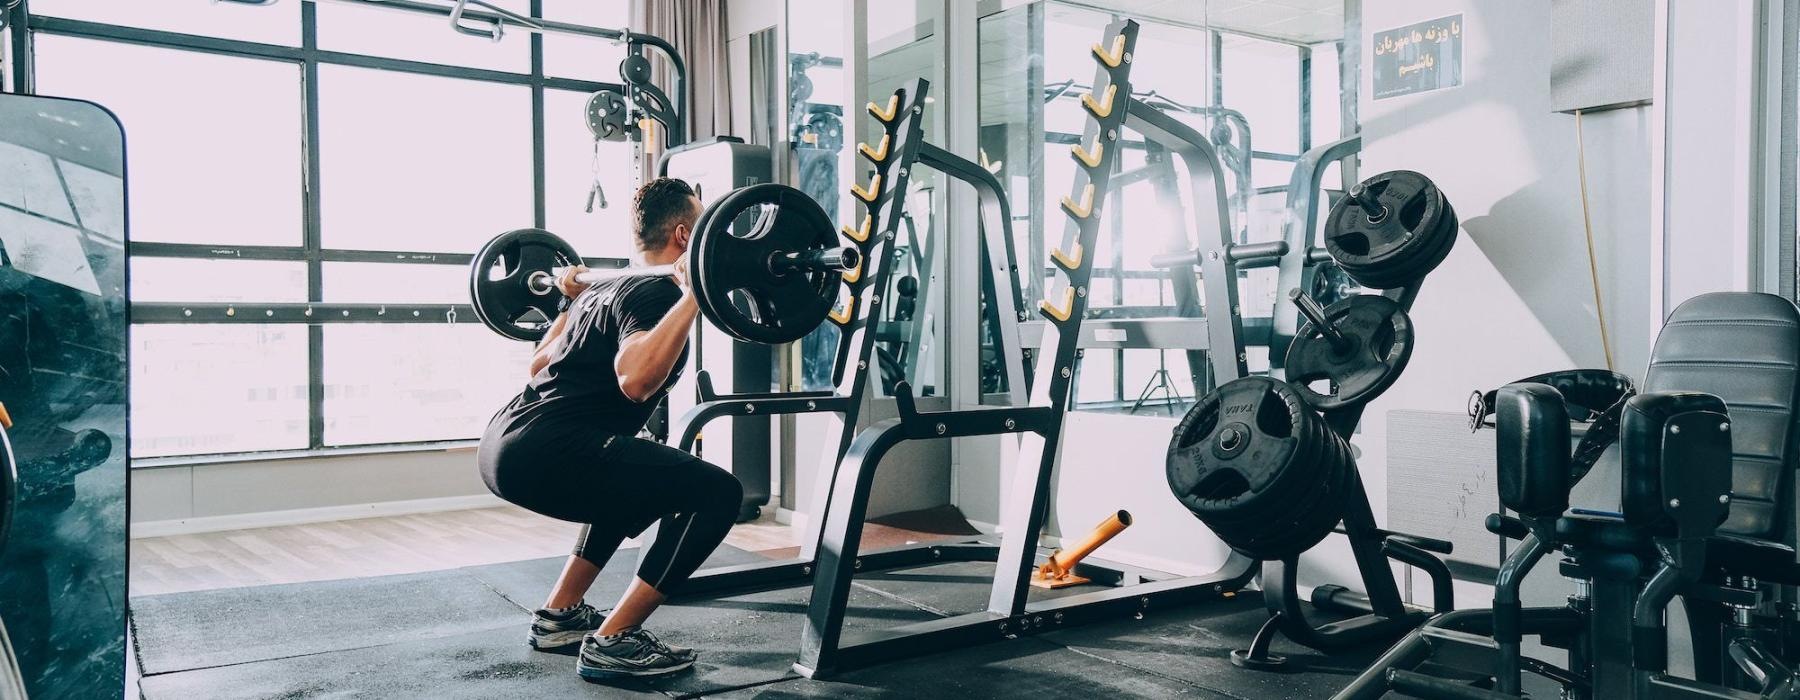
(617, 486)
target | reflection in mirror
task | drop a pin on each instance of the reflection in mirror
(905, 45)
(815, 137)
(1262, 87)
(62, 382)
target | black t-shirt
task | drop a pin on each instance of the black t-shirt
(580, 378)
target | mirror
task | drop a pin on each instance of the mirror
(62, 381)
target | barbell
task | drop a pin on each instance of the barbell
(763, 263)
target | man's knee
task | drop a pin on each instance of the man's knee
(725, 491)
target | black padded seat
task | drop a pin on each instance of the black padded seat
(1767, 560)
(1744, 348)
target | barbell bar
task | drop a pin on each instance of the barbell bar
(841, 259)
(765, 265)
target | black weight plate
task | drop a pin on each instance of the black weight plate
(500, 282)
(1380, 340)
(1394, 244)
(696, 265)
(1263, 537)
(742, 294)
(1230, 452)
(708, 296)
(1311, 520)
(1414, 269)
(1295, 480)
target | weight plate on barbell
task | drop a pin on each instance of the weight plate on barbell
(1401, 244)
(733, 257)
(501, 287)
(1378, 342)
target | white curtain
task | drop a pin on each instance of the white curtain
(697, 30)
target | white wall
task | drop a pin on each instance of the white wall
(230, 495)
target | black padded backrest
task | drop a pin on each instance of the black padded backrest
(1744, 348)
(1654, 454)
(1531, 425)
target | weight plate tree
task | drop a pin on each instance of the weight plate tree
(763, 265)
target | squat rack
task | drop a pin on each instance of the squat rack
(826, 647)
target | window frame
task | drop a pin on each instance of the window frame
(311, 251)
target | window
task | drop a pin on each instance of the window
(174, 185)
(372, 30)
(570, 167)
(425, 150)
(584, 59)
(418, 162)
(277, 24)
(209, 389)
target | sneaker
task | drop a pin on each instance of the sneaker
(634, 652)
(552, 630)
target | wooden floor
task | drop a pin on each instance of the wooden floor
(376, 547)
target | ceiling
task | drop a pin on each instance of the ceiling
(1301, 21)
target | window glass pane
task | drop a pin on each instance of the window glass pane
(191, 144)
(1261, 79)
(569, 166)
(416, 382)
(274, 24)
(419, 36)
(1327, 102)
(579, 57)
(209, 389)
(179, 280)
(1169, 60)
(385, 283)
(31, 185)
(1268, 172)
(421, 163)
(1094, 384)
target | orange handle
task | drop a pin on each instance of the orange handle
(1062, 562)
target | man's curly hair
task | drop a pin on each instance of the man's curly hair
(656, 208)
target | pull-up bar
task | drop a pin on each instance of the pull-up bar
(498, 18)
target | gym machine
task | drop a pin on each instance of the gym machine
(1702, 459)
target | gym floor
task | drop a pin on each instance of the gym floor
(227, 615)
